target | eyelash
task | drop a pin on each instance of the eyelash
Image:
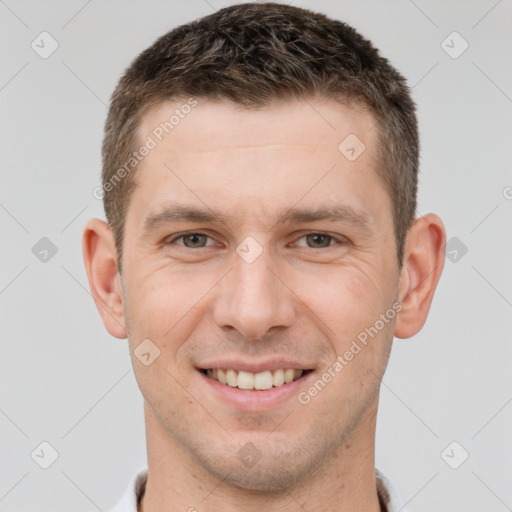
(339, 241)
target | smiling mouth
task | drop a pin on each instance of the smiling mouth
(254, 381)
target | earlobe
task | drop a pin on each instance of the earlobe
(100, 259)
(422, 267)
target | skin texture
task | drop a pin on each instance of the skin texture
(300, 300)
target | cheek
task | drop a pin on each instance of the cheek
(350, 303)
(347, 300)
(162, 306)
(165, 305)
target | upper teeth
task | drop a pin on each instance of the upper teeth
(249, 380)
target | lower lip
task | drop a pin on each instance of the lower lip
(256, 400)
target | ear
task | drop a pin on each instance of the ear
(421, 270)
(100, 259)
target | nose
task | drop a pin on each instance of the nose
(253, 299)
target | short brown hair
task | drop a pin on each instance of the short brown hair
(251, 54)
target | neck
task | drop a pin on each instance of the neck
(344, 482)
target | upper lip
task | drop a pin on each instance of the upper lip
(255, 366)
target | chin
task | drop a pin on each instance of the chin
(264, 480)
(271, 473)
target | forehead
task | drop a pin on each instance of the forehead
(315, 124)
(262, 159)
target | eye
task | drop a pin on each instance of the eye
(192, 240)
(316, 240)
(197, 240)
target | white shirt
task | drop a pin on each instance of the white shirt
(387, 495)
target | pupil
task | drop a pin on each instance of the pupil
(194, 240)
(318, 240)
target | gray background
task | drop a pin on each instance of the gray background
(65, 381)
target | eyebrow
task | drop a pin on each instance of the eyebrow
(175, 213)
(345, 214)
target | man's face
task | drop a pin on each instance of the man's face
(264, 285)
